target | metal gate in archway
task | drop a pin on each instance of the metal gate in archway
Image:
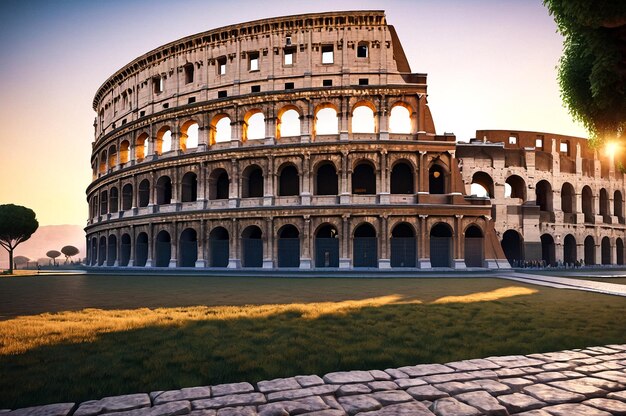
(252, 252)
(188, 253)
(474, 251)
(326, 252)
(365, 252)
(288, 252)
(403, 251)
(440, 250)
(219, 252)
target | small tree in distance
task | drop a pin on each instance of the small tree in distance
(69, 252)
(53, 254)
(20, 260)
(17, 224)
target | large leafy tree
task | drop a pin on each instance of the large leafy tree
(592, 72)
(17, 224)
(69, 252)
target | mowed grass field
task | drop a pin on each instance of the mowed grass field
(110, 335)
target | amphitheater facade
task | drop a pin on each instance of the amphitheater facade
(307, 142)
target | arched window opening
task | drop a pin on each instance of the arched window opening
(619, 251)
(402, 181)
(326, 121)
(515, 187)
(590, 251)
(163, 141)
(437, 179)
(113, 200)
(144, 193)
(127, 197)
(364, 179)
(568, 198)
(125, 249)
(543, 192)
(441, 245)
(362, 50)
(474, 243)
(188, 73)
(103, 161)
(513, 248)
(326, 247)
(163, 249)
(112, 157)
(326, 180)
(218, 184)
(252, 182)
(363, 120)
(141, 147)
(587, 197)
(618, 209)
(102, 251)
(188, 248)
(104, 202)
(288, 246)
(124, 152)
(93, 256)
(189, 135)
(218, 247)
(482, 185)
(254, 126)
(604, 205)
(189, 184)
(289, 181)
(221, 130)
(111, 250)
(365, 246)
(141, 250)
(289, 124)
(400, 120)
(403, 246)
(548, 250)
(569, 250)
(606, 250)
(164, 190)
(252, 247)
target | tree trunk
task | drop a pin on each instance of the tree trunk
(10, 260)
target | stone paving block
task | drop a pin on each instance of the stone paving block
(361, 403)
(113, 404)
(455, 387)
(426, 392)
(237, 411)
(552, 395)
(182, 407)
(403, 409)
(405, 383)
(604, 350)
(231, 388)
(278, 384)
(460, 376)
(615, 407)
(550, 376)
(531, 370)
(391, 397)
(572, 374)
(509, 372)
(300, 393)
(57, 409)
(203, 412)
(518, 402)
(590, 369)
(579, 386)
(395, 373)
(558, 366)
(484, 402)
(493, 387)
(329, 412)
(474, 364)
(426, 369)
(620, 395)
(309, 381)
(382, 385)
(306, 405)
(617, 346)
(516, 383)
(560, 356)
(245, 399)
(570, 409)
(449, 406)
(190, 393)
(538, 412)
(514, 361)
(344, 377)
(613, 375)
(587, 361)
(380, 375)
(351, 389)
(332, 402)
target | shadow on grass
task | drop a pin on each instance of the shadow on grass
(212, 351)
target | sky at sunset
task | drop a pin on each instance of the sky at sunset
(490, 64)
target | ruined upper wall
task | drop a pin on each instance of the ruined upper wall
(220, 64)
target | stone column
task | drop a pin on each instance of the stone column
(459, 255)
(268, 187)
(305, 180)
(421, 172)
(268, 250)
(344, 196)
(384, 261)
(234, 188)
(305, 257)
(202, 240)
(202, 181)
(344, 118)
(578, 208)
(174, 246)
(133, 248)
(383, 119)
(345, 261)
(150, 245)
(234, 261)
(423, 250)
(383, 179)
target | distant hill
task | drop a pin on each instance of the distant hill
(46, 238)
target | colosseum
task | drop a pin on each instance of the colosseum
(306, 142)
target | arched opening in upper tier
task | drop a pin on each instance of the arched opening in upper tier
(189, 187)
(364, 178)
(219, 184)
(326, 179)
(482, 185)
(189, 135)
(363, 119)
(288, 122)
(400, 119)
(164, 190)
(254, 125)
(515, 187)
(568, 198)
(288, 180)
(252, 182)
(402, 178)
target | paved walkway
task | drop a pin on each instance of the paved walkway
(567, 283)
(585, 382)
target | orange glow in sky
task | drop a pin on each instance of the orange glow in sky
(490, 64)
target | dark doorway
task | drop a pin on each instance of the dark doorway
(163, 249)
(548, 252)
(252, 247)
(512, 247)
(403, 246)
(141, 250)
(569, 250)
(288, 246)
(188, 248)
(474, 243)
(125, 246)
(365, 246)
(590, 251)
(327, 247)
(441, 246)
(219, 247)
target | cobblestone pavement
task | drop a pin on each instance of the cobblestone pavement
(568, 283)
(586, 382)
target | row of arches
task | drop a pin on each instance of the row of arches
(515, 187)
(326, 247)
(364, 118)
(326, 182)
(513, 247)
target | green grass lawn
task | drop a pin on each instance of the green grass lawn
(290, 327)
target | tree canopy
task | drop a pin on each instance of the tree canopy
(69, 251)
(17, 224)
(53, 254)
(592, 71)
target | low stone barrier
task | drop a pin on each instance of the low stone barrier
(586, 382)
